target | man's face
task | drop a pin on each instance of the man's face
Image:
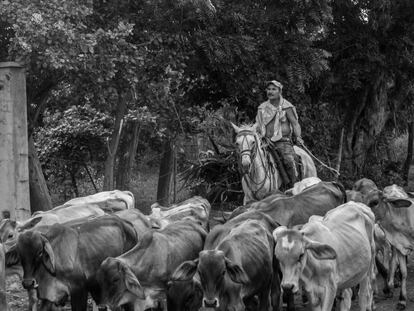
(272, 91)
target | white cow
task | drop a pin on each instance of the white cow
(303, 184)
(109, 201)
(330, 255)
(195, 208)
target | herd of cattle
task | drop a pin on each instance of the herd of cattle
(320, 240)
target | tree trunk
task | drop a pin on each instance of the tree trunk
(371, 125)
(73, 171)
(113, 145)
(366, 121)
(39, 194)
(165, 174)
(409, 162)
(128, 159)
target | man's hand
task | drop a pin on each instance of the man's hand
(299, 141)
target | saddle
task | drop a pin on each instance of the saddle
(278, 160)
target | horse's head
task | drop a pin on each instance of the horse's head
(247, 142)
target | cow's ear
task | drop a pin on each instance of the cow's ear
(278, 231)
(185, 271)
(398, 202)
(48, 256)
(235, 127)
(131, 282)
(319, 250)
(235, 272)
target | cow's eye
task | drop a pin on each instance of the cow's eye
(300, 257)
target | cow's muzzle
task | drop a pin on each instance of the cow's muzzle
(210, 303)
(29, 284)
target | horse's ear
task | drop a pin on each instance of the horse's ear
(235, 127)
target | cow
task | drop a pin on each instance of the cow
(364, 186)
(140, 221)
(62, 261)
(294, 210)
(109, 201)
(301, 185)
(140, 276)
(196, 208)
(184, 295)
(353, 195)
(394, 212)
(60, 215)
(236, 264)
(383, 250)
(329, 255)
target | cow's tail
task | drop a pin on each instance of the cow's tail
(342, 188)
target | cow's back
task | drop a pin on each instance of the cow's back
(109, 201)
(159, 252)
(85, 246)
(316, 200)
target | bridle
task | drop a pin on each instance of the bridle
(252, 153)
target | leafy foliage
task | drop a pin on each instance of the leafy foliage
(186, 59)
(215, 176)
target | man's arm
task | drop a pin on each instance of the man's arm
(297, 131)
(259, 123)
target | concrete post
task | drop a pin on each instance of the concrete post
(14, 169)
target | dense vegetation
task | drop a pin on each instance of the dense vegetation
(108, 81)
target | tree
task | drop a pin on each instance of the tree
(372, 69)
(60, 43)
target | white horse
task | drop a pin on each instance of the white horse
(260, 177)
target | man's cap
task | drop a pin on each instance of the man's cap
(275, 83)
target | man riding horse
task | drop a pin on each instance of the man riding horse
(276, 121)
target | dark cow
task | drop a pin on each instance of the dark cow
(62, 261)
(140, 221)
(184, 295)
(291, 211)
(236, 264)
(140, 276)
